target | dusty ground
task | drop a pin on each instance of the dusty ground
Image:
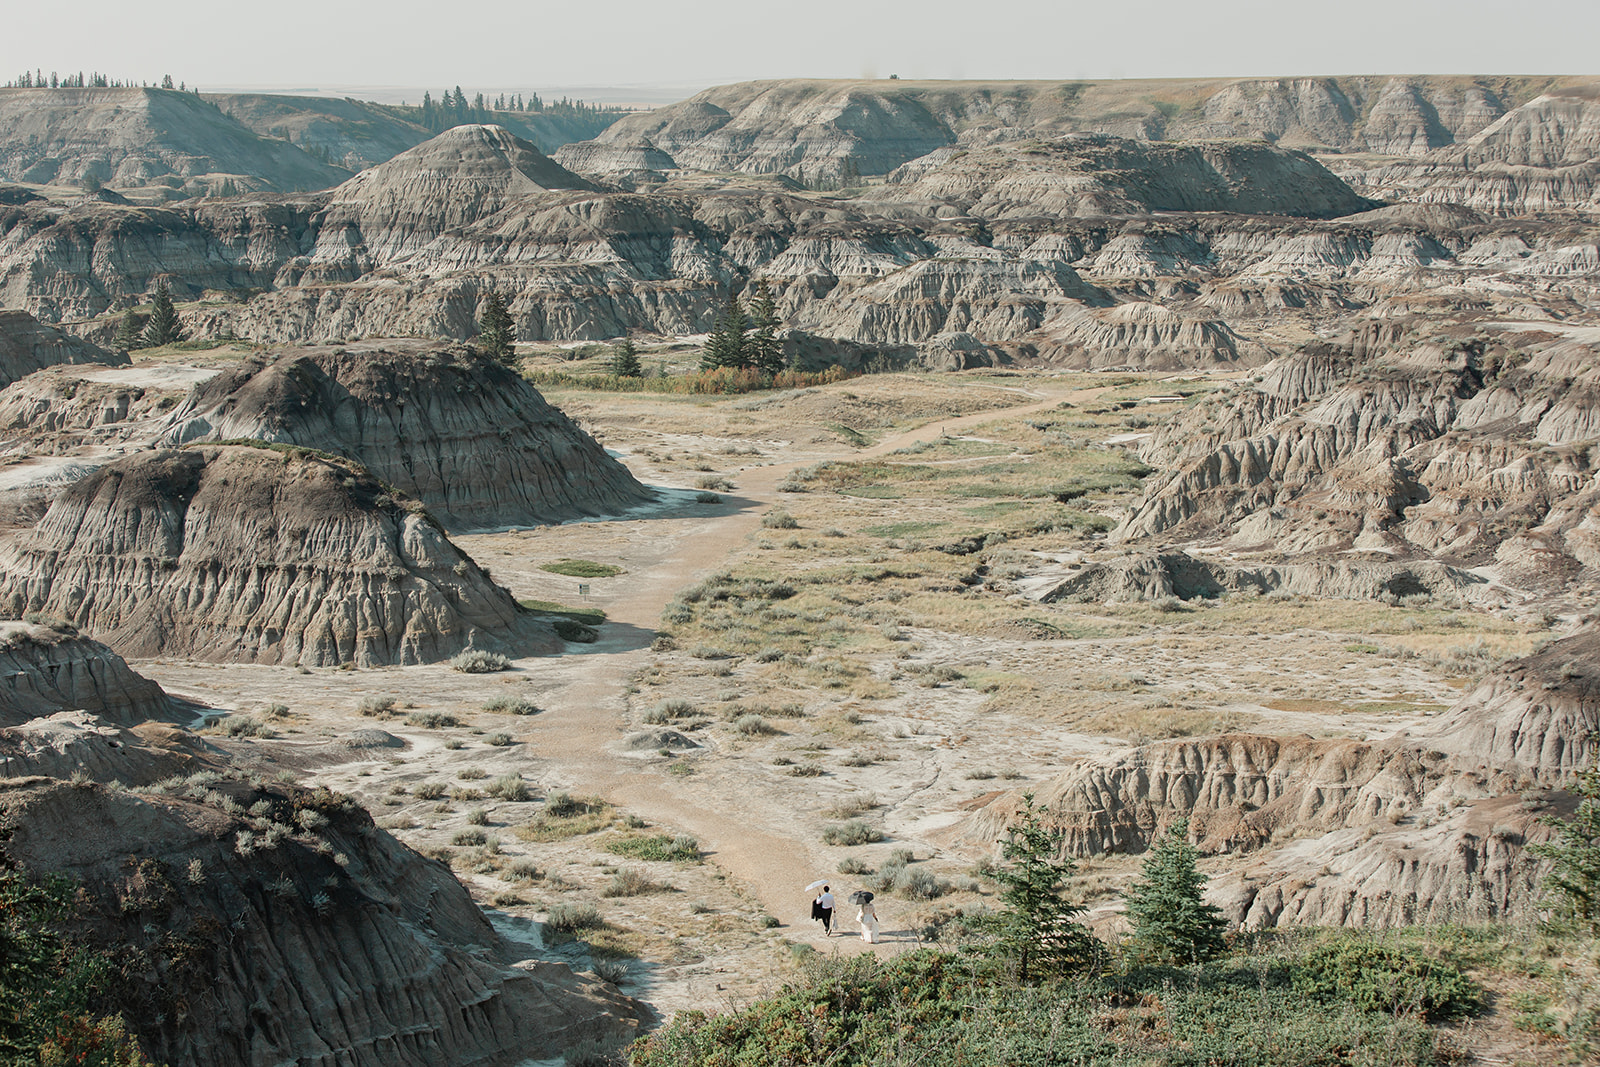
(840, 653)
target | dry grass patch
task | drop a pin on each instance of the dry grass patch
(569, 818)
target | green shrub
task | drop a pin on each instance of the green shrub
(753, 725)
(508, 787)
(630, 882)
(1387, 978)
(779, 520)
(511, 706)
(469, 837)
(477, 661)
(430, 791)
(576, 632)
(854, 832)
(581, 568)
(660, 847)
(570, 918)
(499, 740)
(431, 720)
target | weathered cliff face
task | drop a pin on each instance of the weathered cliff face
(1414, 828)
(48, 668)
(26, 345)
(79, 743)
(462, 433)
(250, 554)
(301, 934)
(141, 137)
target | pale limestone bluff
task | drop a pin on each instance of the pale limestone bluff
(255, 555)
(27, 345)
(393, 210)
(377, 960)
(133, 138)
(459, 431)
(1471, 449)
(1095, 174)
(1417, 827)
(48, 668)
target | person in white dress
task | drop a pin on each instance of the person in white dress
(869, 923)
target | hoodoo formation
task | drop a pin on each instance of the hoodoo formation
(462, 433)
(253, 554)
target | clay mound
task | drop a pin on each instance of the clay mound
(467, 436)
(49, 668)
(1091, 175)
(342, 945)
(459, 177)
(27, 345)
(615, 159)
(250, 554)
(78, 743)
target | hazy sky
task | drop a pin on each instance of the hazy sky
(493, 45)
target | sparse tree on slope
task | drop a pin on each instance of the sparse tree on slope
(497, 333)
(1039, 928)
(763, 350)
(128, 331)
(164, 328)
(625, 360)
(725, 347)
(1171, 922)
(1575, 851)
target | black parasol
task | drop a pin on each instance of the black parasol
(861, 896)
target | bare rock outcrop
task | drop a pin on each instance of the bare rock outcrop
(302, 935)
(612, 160)
(47, 668)
(27, 345)
(256, 554)
(461, 432)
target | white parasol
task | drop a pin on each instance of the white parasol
(818, 884)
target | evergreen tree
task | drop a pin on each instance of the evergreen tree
(128, 331)
(497, 333)
(1170, 921)
(726, 345)
(1039, 930)
(763, 350)
(163, 328)
(625, 360)
(1576, 851)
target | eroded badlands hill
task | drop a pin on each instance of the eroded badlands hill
(26, 345)
(1427, 827)
(256, 554)
(47, 668)
(295, 931)
(473, 441)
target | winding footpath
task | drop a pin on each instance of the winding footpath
(584, 719)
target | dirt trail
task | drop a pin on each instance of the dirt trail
(584, 718)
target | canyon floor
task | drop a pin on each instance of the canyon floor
(816, 648)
